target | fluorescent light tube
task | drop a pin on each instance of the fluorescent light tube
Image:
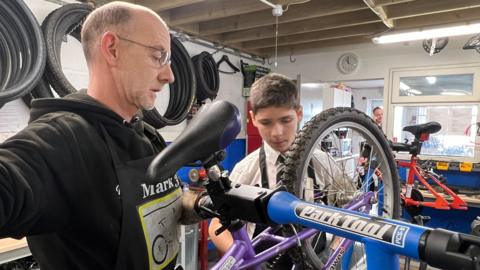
(415, 91)
(431, 79)
(404, 86)
(452, 93)
(429, 33)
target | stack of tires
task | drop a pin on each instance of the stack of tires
(32, 65)
(22, 51)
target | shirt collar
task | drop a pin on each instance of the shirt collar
(271, 155)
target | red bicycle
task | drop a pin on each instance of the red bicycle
(412, 198)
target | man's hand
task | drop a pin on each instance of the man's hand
(196, 206)
(204, 206)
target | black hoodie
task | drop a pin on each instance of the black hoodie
(58, 186)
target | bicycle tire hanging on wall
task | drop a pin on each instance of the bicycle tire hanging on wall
(182, 90)
(63, 21)
(206, 73)
(22, 51)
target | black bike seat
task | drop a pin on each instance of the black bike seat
(401, 147)
(429, 128)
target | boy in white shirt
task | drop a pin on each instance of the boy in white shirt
(276, 112)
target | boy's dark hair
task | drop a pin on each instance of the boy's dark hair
(273, 90)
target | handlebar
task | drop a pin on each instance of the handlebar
(450, 250)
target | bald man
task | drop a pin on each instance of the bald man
(73, 181)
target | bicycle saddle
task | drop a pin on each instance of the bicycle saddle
(429, 128)
(213, 129)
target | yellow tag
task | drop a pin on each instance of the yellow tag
(442, 166)
(466, 166)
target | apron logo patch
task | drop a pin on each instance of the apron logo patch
(159, 188)
(159, 219)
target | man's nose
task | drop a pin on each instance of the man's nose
(166, 75)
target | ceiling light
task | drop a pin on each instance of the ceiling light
(428, 33)
(409, 91)
(452, 93)
(311, 85)
(431, 79)
(404, 86)
(414, 91)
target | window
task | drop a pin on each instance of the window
(448, 95)
(445, 85)
(437, 84)
(452, 140)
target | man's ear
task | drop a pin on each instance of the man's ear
(300, 113)
(254, 121)
(109, 47)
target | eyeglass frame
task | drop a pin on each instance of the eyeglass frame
(168, 57)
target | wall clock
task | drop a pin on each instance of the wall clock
(348, 63)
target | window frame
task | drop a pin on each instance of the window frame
(393, 98)
(476, 148)
(396, 74)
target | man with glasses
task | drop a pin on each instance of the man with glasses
(73, 181)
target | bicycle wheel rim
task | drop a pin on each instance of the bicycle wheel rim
(309, 141)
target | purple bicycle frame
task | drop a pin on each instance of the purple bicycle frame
(241, 254)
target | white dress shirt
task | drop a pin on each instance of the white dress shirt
(248, 172)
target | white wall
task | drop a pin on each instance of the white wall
(375, 60)
(14, 115)
(362, 95)
(311, 98)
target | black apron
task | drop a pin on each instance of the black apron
(262, 162)
(149, 237)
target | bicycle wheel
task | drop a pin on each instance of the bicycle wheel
(338, 155)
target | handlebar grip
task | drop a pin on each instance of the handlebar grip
(450, 250)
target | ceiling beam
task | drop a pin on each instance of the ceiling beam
(458, 16)
(361, 30)
(425, 7)
(164, 5)
(389, 2)
(212, 9)
(466, 15)
(190, 29)
(216, 9)
(309, 10)
(380, 11)
(304, 26)
(313, 46)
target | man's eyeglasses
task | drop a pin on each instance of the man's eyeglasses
(165, 56)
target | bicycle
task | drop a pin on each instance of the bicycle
(381, 236)
(412, 198)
